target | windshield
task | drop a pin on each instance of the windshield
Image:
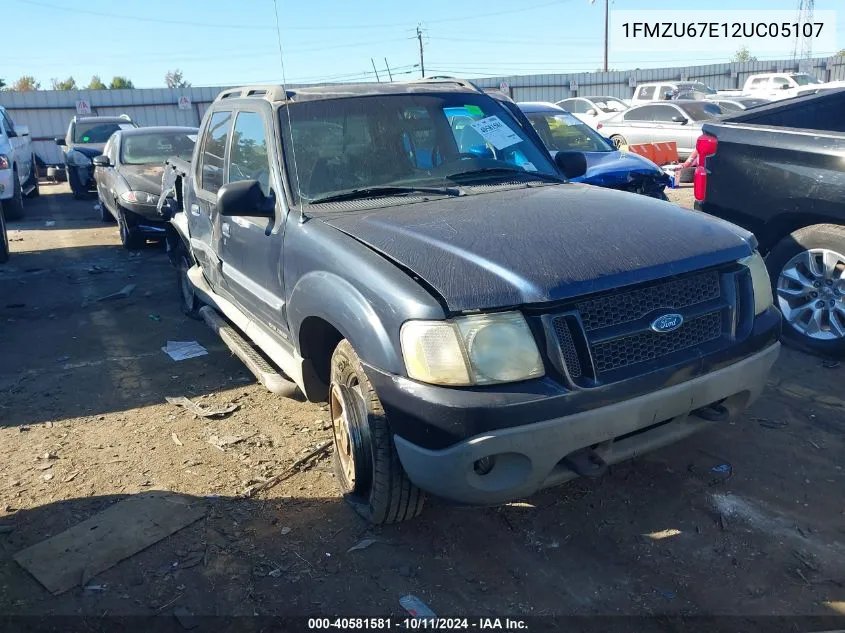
(145, 149)
(804, 80)
(97, 131)
(609, 105)
(406, 140)
(562, 132)
(702, 111)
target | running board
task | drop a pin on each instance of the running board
(263, 371)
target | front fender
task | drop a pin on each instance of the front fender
(336, 301)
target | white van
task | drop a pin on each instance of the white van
(779, 86)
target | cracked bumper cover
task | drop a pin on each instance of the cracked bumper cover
(529, 458)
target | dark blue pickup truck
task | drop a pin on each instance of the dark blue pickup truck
(480, 327)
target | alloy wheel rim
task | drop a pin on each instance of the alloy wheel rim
(811, 294)
(344, 446)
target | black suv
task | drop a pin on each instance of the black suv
(85, 139)
(480, 327)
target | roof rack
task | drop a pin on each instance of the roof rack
(270, 93)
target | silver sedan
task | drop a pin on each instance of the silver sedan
(678, 121)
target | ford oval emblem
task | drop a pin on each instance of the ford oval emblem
(667, 323)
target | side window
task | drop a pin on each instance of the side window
(214, 151)
(580, 106)
(778, 83)
(112, 151)
(664, 114)
(759, 82)
(639, 114)
(646, 93)
(568, 104)
(248, 157)
(107, 147)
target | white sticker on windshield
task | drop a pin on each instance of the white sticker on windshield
(496, 132)
(528, 166)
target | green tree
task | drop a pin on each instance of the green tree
(175, 79)
(2, 84)
(25, 84)
(96, 83)
(840, 53)
(743, 55)
(120, 82)
(67, 84)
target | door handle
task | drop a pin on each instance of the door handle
(195, 210)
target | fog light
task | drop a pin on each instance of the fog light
(484, 465)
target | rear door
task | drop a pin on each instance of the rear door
(209, 175)
(251, 248)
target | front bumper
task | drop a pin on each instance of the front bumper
(7, 184)
(533, 456)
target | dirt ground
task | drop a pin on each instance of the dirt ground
(746, 518)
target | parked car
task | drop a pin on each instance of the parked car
(85, 139)
(592, 110)
(128, 178)
(670, 90)
(606, 165)
(778, 86)
(778, 171)
(678, 121)
(18, 174)
(737, 104)
(480, 328)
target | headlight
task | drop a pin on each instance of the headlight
(4, 161)
(472, 350)
(760, 280)
(139, 197)
(78, 159)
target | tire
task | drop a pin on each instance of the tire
(4, 240)
(13, 207)
(687, 175)
(189, 304)
(131, 238)
(825, 292)
(33, 180)
(374, 484)
(618, 140)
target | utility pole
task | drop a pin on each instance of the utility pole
(422, 59)
(389, 74)
(606, 29)
(374, 70)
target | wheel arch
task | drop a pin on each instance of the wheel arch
(786, 224)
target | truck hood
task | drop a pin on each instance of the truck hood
(143, 177)
(530, 246)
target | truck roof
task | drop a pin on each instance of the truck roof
(276, 93)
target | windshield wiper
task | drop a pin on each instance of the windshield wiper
(506, 172)
(375, 192)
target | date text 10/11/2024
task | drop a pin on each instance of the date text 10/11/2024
(443, 624)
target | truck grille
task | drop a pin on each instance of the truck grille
(631, 306)
(637, 348)
(599, 337)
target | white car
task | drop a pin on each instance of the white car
(593, 110)
(18, 171)
(777, 86)
(669, 90)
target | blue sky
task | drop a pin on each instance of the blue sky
(225, 42)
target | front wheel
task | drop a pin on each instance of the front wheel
(365, 460)
(131, 238)
(807, 270)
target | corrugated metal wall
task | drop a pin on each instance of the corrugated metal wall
(47, 112)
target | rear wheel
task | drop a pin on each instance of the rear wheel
(13, 207)
(131, 238)
(4, 240)
(365, 460)
(807, 269)
(618, 141)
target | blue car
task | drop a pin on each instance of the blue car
(606, 166)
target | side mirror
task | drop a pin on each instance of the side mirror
(22, 130)
(245, 198)
(101, 161)
(591, 112)
(785, 87)
(679, 119)
(572, 164)
(10, 133)
(60, 141)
